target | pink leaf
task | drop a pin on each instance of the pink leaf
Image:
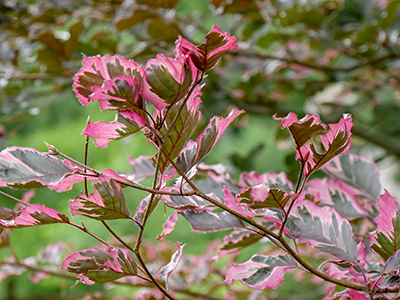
(96, 70)
(27, 168)
(167, 80)
(33, 215)
(339, 195)
(126, 123)
(302, 130)
(107, 202)
(119, 93)
(260, 272)
(175, 133)
(166, 271)
(99, 265)
(325, 230)
(271, 179)
(335, 142)
(169, 225)
(211, 134)
(385, 240)
(207, 55)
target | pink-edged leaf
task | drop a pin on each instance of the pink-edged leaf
(26, 168)
(33, 215)
(99, 265)
(211, 134)
(237, 240)
(260, 272)
(119, 93)
(336, 141)
(339, 195)
(167, 80)
(392, 263)
(302, 130)
(385, 240)
(207, 55)
(166, 271)
(358, 172)
(142, 168)
(206, 221)
(325, 230)
(349, 294)
(96, 70)
(125, 124)
(107, 202)
(261, 196)
(176, 134)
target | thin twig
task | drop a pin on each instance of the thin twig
(13, 198)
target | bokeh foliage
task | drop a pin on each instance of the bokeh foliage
(325, 57)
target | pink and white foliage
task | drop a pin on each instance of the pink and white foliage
(119, 93)
(99, 265)
(211, 134)
(107, 202)
(385, 240)
(29, 168)
(208, 54)
(261, 272)
(339, 195)
(98, 69)
(271, 179)
(33, 215)
(324, 229)
(358, 172)
(335, 142)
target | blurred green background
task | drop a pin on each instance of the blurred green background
(325, 57)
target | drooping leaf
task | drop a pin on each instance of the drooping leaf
(107, 202)
(125, 124)
(166, 271)
(32, 215)
(260, 272)
(207, 55)
(175, 135)
(358, 172)
(385, 240)
(27, 168)
(98, 265)
(237, 240)
(167, 80)
(96, 70)
(325, 230)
